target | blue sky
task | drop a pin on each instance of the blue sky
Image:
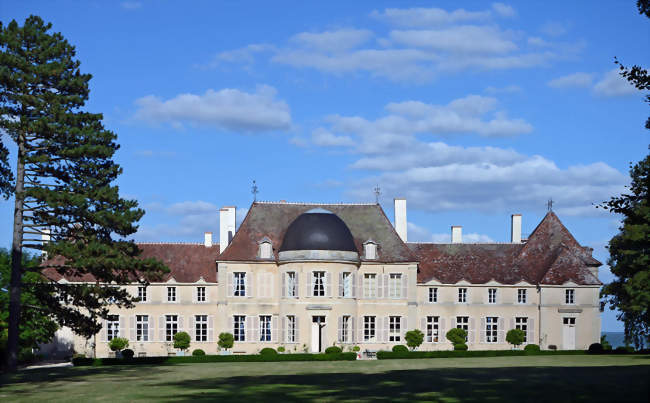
(471, 113)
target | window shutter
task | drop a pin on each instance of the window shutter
(404, 323)
(256, 328)
(103, 335)
(380, 285)
(274, 328)
(512, 323)
(310, 284)
(151, 328)
(328, 285)
(353, 284)
(297, 323)
(180, 323)
(161, 328)
(501, 331)
(352, 329)
(386, 277)
(122, 326)
(423, 327)
(284, 336)
(471, 337)
(232, 326)
(284, 284)
(339, 332)
(250, 292)
(530, 337)
(191, 329)
(248, 325)
(231, 281)
(360, 326)
(340, 284)
(405, 285)
(211, 328)
(132, 336)
(386, 322)
(442, 331)
(296, 285)
(482, 330)
(195, 291)
(360, 286)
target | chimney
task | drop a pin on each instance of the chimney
(45, 238)
(456, 234)
(226, 226)
(208, 240)
(400, 218)
(515, 228)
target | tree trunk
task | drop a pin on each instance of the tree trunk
(16, 261)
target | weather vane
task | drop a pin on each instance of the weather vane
(549, 205)
(254, 191)
(377, 193)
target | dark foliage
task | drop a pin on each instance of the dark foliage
(400, 349)
(128, 354)
(198, 352)
(268, 351)
(333, 350)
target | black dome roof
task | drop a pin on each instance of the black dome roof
(318, 231)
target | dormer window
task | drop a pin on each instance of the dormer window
(265, 249)
(370, 250)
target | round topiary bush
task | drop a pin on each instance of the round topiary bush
(400, 349)
(595, 348)
(268, 351)
(281, 349)
(356, 349)
(182, 340)
(456, 336)
(127, 354)
(333, 350)
(532, 348)
(118, 343)
(460, 347)
(197, 352)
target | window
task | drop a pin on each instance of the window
(112, 327)
(291, 285)
(291, 329)
(239, 285)
(318, 284)
(142, 327)
(462, 295)
(433, 329)
(522, 324)
(171, 327)
(201, 327)
(370, 250)
(521, 296)
(347, 285)
(569, 297)
(433, 294)
(345, 330)
(569, 321)
(239, 328)
(265, 250)
(171, 294)
(395, 285)
(368, 328)
(200, 294)
(394, 328)
(370, 285)
(491, 329)
(462, 322)
(142, 293)
(265, 328)
(492, 295)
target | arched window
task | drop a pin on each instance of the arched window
(265, 249)
(370, 250)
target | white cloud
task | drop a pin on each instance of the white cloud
(229, 109)
(417, 233)
(427, 17)
(612, 85)
(537, 41)
(580, 80)
(322, 137)
(508, 89)
(333, 41)
(458, 39)
(554, 28)
(504, 10)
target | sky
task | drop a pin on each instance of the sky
(472, 114)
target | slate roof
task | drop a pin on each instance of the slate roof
(550, 256)
(272, 220)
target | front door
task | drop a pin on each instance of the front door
(569, 334)
(317, 329)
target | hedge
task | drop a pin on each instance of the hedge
(388, 355)
(97, 362)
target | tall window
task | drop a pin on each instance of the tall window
(569, 296)
(171, 294)
(239, 328)
(569, 321)
(265, 327)
(291, 284)
(200, 294)
(291, 329)
(462, 322)
(201, 327)
(239, 285)
(142, 293)
(492, 295)
(433, 329)
(318, 284)
(112, 327)
(142, 327)
(370, 285)
(395, 285)
(491, 329)
(394, 328)
(171, 327)
(345, 329)
(433, 294)
(369, 328)
(522, 324)
(521, 296)
(347, 284)
(462, 295)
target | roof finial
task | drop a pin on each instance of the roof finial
(254, 191)
(377, 193)
(549, 205)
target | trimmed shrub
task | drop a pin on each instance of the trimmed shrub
(552, 347)
(182, 341)
(414, 338)
(226, 340)
(595, 348)
(118, 344)
(356, 349)
(281, 349)
(532, 348)
(456, 336)
(624, 349)
(127, 354)
(268, 351)
(386, 355)
(333, 350)
(198, 352)
(460, 347)
(515, 337)
(400, 349)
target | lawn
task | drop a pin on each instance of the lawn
(530, 378)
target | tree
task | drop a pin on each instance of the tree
(414, 338)
(226, 340)
(63, 183)
(118, 344)
(515, 337)
(182, 341)
(456, 336)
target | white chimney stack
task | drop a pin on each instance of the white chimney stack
(45, 238)
(515, 228)
(208, 240)
(400, 218)
(456, 234)
(226, 226)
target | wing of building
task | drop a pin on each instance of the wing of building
(307, 276)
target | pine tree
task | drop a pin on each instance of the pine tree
(62, 183)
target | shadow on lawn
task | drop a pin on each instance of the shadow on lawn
(627, 383)
(66, 374)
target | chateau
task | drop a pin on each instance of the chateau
(307, 276)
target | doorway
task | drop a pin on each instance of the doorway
(569, 334)
(317, 334)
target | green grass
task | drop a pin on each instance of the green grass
(529, 378)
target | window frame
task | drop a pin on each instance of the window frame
(239, 285)
(171, 292)
(265, 328)
(112, 327)
(142, 328)
(369, 328)
(462, 322)
(291, 328)
(239, 328)
(492, 295)
(370, 285)
(521, 323)
(394, 328)
(291, 285)
(462, 295)
(348, 284)
(395, 285)
(201, 328)
(318, 280)
(491, 329)
(522, 296)
(142, 291)
(432, 329)
(570, 296)
(171, 327)
(433, 295)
